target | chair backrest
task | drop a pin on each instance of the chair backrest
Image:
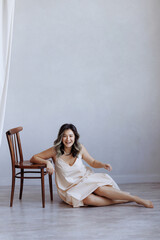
(14, 143)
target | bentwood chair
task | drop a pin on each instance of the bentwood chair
(15, 148)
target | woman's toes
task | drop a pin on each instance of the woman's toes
(148, 204)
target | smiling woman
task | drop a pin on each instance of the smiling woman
(67, 141)
(77, 184)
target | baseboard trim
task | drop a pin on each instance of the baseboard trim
(120, 179)
(134, 178)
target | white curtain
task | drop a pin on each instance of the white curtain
(6, 29)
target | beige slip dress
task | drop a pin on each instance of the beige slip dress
(74, 183)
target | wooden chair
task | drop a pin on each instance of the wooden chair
(14, 143)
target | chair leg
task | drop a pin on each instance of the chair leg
(21, 184)
(50, 187)
(42, 188)
(12, 189)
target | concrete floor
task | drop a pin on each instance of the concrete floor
(28, 220)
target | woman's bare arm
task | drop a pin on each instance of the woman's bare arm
(92, 162)
(42, 158)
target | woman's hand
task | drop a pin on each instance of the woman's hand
(108, 167)
(49, 168)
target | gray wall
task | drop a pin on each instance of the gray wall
(94, 63)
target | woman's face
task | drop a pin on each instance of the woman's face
(68, 138)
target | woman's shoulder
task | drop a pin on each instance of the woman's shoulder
(52, 151)
(82, 149)
(49, 153)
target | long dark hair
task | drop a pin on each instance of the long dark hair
(58, 144)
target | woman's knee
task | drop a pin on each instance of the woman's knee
(99, 191)
(89, 200)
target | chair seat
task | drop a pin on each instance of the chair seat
(27, 164)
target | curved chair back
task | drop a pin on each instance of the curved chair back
(15, 147)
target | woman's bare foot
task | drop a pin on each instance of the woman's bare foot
(148, 204)
(145, 203)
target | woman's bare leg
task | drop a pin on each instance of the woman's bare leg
(115, 194)
(99, 201)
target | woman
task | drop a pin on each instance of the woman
(77, 184)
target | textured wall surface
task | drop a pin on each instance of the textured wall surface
(94, 63)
